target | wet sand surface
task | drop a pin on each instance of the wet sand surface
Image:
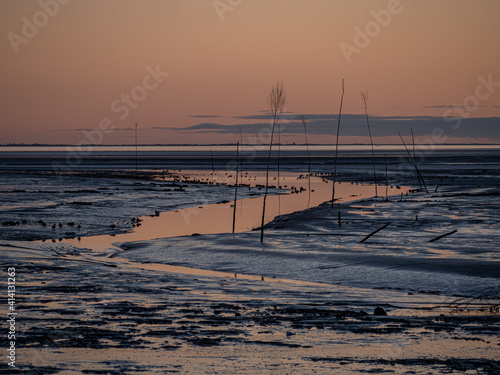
(92, 318)
(298, 193)
(304, 303)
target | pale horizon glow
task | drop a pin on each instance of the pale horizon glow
(429, 61)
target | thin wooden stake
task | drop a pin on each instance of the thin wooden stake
(443, 235)
(372, 233)
(340, 221)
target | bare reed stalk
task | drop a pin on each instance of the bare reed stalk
(308, 162)
(213, 169)
(276, 102)
(414, 163)
(364, 98)
(136, 125)
(337, 145)
(415, 156)
(236, 184)
(278, 162)
(241, 159)
(386, 177)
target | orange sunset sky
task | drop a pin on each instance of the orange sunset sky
(67, 66)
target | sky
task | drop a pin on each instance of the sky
(200, 71)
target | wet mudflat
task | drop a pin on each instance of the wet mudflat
(302, 302)
(91, 318)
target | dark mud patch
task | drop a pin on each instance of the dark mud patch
(443, 365)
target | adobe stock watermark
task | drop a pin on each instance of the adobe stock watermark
(471, 103)
(121, 106)
(455, 115)
(31, 26)
(223, 6)
(372, 29)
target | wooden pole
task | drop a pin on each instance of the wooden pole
(443, 235)
(372, 233)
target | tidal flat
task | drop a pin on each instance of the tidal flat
(304, 301)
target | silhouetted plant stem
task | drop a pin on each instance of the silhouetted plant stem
(308, 163)
(276, 102)
(236, 184)
(278, 162)
(364, 98)
(213, 169)
(414, 156)
(386, 177)
(337, 145)
(136, 125)
(414, 163)
(241, 159)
